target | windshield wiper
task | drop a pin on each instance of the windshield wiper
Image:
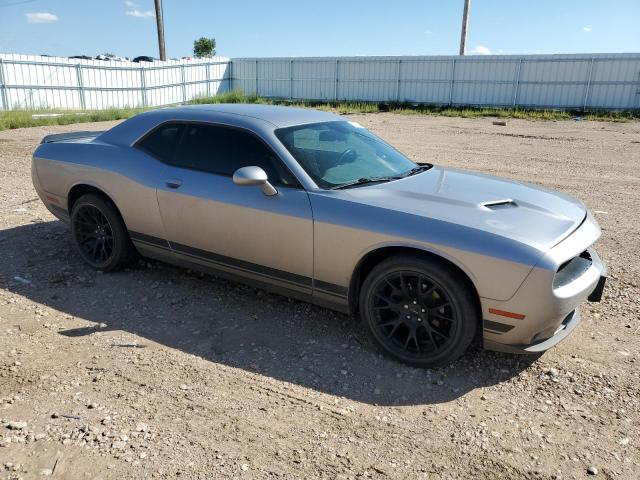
(362, 181)
(369, 180)
(416, 170)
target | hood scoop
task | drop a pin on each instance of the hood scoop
(500, 204)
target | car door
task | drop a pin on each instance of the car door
(213, 222)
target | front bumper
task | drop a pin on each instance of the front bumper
(544, 312)
(566, 327)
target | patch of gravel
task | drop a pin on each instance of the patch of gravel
(161, 372)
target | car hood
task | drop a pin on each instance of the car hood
(530, 214)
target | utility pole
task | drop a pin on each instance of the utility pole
(160, 24)
(465, 20)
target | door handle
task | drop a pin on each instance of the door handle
(173, 183)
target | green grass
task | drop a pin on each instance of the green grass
(613, 116)
(526, 114)
(408, 109)
(484, 112)
(24, 118)
(234, 96)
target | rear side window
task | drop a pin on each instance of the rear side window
(163, 142)
(222, 151)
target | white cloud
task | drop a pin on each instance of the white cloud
(428, 32)
(131, 4)
(587, 29)
(41, 17)
(141, 14)
(481, 50)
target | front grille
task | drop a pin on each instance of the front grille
(572, 269)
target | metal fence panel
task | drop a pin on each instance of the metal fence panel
(315, 79)
(275, 77)
(363, 80)
(36, 82)
(244, 77)
(425, 80)
(576, 81)
(609, 81)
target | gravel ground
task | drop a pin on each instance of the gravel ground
(160, 372)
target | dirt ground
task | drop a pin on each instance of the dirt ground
(159, 372)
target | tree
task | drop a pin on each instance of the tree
(109, 55)
(204, 47)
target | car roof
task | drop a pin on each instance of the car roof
(278, 116)
(258, 118)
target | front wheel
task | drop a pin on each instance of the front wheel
(418, 310)
(100, 235)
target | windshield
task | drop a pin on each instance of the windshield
(343, 153)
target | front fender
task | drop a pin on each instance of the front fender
(496, 265)
(430, 249)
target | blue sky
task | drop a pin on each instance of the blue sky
(328, 28)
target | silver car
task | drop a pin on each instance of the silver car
(310, 205)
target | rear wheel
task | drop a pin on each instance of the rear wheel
(100, 235)
(420, 311)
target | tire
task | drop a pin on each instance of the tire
(418, 310)
(99, 234)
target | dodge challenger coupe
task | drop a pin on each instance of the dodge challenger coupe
(315, 207)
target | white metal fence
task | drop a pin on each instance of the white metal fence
(35, 82)
(606, 81)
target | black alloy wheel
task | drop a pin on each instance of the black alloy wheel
(419, 311)
(93, 235)
(100, 235)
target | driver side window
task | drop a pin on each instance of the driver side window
(223, 150)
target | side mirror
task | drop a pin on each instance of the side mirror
(254, 176)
